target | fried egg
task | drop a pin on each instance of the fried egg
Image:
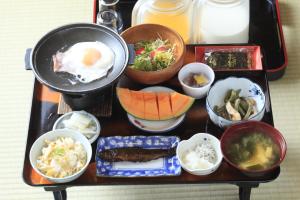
(87, 61)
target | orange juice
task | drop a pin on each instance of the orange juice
(174, 14)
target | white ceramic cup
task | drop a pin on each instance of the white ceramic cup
(197, 68)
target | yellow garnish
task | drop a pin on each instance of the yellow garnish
(200, 79)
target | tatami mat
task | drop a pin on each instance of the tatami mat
(22, 23)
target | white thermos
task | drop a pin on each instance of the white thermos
(221, 21)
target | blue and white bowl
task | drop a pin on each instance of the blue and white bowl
(217, 94)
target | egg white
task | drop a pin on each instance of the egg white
(72, 61)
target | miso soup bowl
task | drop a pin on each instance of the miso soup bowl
(237, 130)
(217, 93)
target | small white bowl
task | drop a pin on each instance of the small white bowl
(36, 151)
(186, 145)
(196, 67)
(217, 94)
(59, 125)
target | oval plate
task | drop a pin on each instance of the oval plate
(156, 126)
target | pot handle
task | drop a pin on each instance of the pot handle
(131, 54)
(27, 59)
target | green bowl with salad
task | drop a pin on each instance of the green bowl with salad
(159, 53)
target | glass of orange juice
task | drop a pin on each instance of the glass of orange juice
(175, 14)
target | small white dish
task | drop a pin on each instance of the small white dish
(59, 123)
(218, 92)
(156, 126)
(199, 68)
(36, 151)
(187, 145)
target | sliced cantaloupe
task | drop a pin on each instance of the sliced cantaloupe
(154, 106)
(180, 103)
(125, 98)
(137, 104)
(164, 106)
(151, 108)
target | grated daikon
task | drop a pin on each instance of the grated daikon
(203, 156)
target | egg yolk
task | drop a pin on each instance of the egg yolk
(91, 56)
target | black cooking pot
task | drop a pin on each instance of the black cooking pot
(80, 95)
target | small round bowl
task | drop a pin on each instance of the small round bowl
(151, 32)
(237, 130)
(187, 145)
(59, 125)
(195, 67)
(217, 92)
(37, 146)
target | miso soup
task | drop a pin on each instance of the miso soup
(253, 151)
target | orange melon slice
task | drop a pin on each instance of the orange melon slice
(125, 98)
(137, 104)
(151, 108)
(164, 106)
(180, 103)
(154, 106)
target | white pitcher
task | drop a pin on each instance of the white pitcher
(221, 21)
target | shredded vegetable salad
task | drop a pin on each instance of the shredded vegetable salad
(62, 157)
(153, 55)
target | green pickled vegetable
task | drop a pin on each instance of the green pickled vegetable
(58, 152)
(239, 108)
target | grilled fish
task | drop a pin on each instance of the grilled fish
(134, 154)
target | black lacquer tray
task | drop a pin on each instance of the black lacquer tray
(265, 31)
(44, 114)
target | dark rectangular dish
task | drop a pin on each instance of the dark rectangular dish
(265, 31)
